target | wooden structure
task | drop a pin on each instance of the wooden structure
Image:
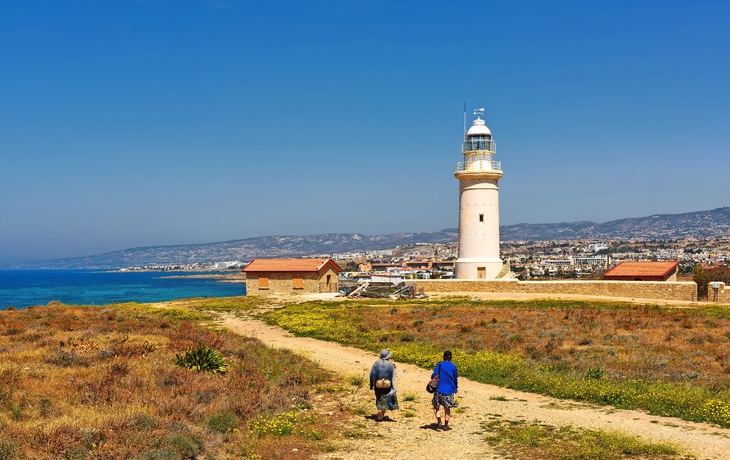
(643, 271)
(293, 276)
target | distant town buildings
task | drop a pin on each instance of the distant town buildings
(558, 259)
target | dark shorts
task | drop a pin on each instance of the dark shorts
(447, 401)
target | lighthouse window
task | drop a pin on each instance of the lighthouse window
(481, 218)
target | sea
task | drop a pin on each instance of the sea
(25, 288)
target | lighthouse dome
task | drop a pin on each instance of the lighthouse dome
(478, 128)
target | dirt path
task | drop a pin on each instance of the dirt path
(413, 438)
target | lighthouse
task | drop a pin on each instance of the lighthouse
(478, 175)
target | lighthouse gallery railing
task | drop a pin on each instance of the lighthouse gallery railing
(478, 165)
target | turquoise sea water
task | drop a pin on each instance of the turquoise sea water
(23, 288)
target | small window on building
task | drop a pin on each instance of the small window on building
(481, 218)
(298, 282)
(263, 282)
(481, 272)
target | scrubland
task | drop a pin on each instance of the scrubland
(667, 361)
(101, 382)
(117, 381)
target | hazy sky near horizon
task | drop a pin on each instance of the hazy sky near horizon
(139, 123)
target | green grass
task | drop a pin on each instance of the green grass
(223, 304)
(409, 397)
(541, 442)
(356, 380)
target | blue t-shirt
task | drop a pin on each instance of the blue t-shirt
(448, 377)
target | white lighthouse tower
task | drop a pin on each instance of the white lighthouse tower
(478, 205)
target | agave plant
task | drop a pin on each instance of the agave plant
(202, 359)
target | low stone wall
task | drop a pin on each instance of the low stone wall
(659, 290)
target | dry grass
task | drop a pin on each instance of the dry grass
(100, 382)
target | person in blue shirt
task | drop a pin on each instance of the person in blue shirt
(448, 386)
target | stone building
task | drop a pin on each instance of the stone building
(291, 276)
(643, 271)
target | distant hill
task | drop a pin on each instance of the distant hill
(662, 226)
(658, 226)
(244, 250)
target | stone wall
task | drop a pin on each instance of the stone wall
(660, 290)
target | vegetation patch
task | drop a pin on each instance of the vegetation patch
(202, 359)
(670, 362)
(541, 442)
(102, 382)
(224, 422)
(222, 304)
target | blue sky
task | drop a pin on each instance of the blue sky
(137, 123)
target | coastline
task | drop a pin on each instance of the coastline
(21, 288)
(222, 277)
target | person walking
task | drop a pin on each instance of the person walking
(448, 386)
(382, 380)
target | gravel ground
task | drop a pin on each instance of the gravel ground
(414, 438)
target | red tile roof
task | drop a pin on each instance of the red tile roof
(290, 265)
(639, 269)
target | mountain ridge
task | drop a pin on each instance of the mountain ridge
(698, 224)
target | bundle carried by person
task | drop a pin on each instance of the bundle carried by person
(434, 382)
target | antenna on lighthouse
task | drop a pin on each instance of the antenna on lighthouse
(464, 120)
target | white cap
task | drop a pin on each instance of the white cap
(478, 127)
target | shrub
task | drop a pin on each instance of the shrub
(186, 446)
(409, 396)
(224, 422)
(203, 359)
(67, 359)
(594, 373)
(356, 380)
(160, 454)
(144, 421)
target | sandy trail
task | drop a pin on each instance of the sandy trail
(413, 437)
